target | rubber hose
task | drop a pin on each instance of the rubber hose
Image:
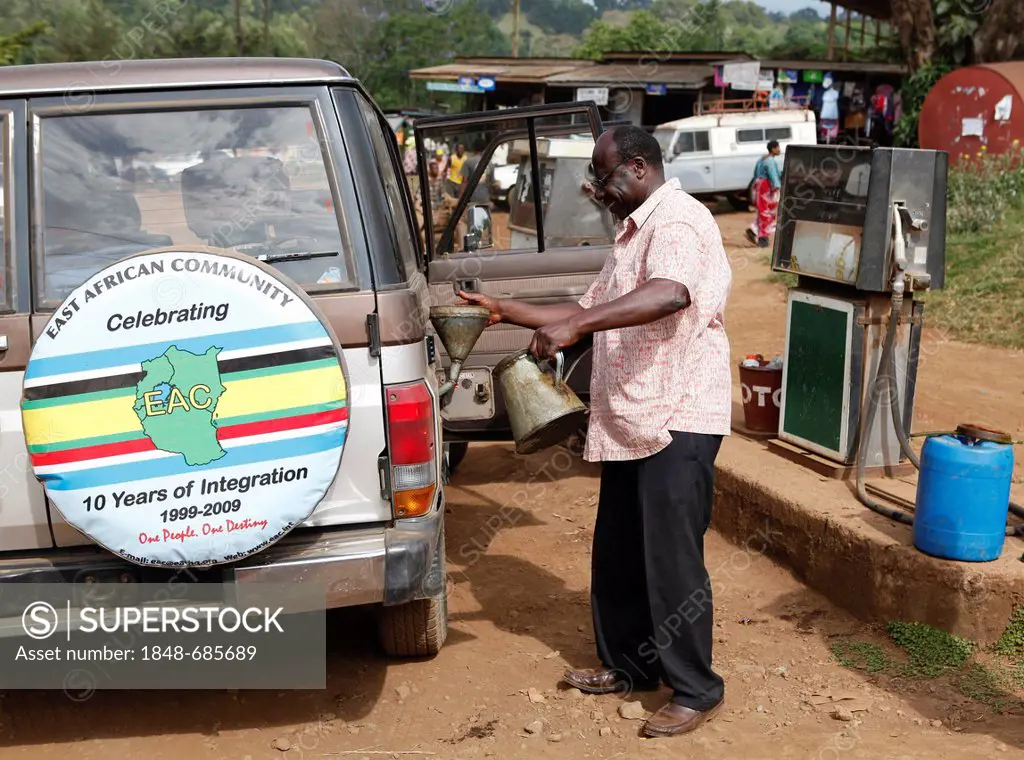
(868, 418)
(901, 433)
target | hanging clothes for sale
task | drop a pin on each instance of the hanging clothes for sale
(829, 111)
(855, 120)
(830, 104)
(857, 100)
(882, 110)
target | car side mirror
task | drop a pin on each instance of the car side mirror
(478, 229)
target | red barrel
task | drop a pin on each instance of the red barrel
(761, 389)
(973, 109)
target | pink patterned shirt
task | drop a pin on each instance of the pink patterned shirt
(674, 373)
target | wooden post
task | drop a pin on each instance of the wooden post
(515, 29)
(863, 23)
(846, 42)
(831, 33)
(878, 32)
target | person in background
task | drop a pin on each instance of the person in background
(455, 162)
(661, 401)
(767, 186)
(435, 184)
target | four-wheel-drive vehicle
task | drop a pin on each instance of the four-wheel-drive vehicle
(290, 163)
(715, 153)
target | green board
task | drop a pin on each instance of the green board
(816, 374)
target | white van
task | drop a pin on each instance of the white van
(715, 154)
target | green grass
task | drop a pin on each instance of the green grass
(930, 652)
(983, 297)
(783, 278)
(993, 677)
(991, 685)
(1012, 641)
(862, 655)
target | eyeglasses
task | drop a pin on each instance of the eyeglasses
(598, 184)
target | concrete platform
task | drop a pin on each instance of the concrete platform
(863, 562)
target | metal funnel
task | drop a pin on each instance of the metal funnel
(459, 327)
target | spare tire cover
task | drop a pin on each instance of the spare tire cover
(186, 407)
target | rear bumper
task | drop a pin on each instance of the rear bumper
(375, 565)
(368, 565)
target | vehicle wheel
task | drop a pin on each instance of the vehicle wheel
(740, 201)
(417, 628)
(456, 453)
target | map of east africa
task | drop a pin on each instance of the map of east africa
(176, 399)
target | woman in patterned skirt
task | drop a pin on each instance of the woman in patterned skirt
(767, 184)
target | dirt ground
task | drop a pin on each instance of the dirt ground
(518, 535)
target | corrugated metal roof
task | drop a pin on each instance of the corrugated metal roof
(678, 56)
(179, 72)
(637, 74)
(867, 67)
(527, 70)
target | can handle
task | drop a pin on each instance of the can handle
(559, 365)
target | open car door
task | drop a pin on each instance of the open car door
(504, 212)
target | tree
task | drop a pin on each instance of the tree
(11, 46)
(81, 30)
(915, 24)
(560, 16)
(411, 39)
(807, 15)
(1000, 36)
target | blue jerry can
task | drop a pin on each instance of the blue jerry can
(963, 497)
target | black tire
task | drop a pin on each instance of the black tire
(741, 201)
(456, 453)
(420, 627)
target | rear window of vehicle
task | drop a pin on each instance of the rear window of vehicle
(248, 179)
(778, 133)
(693, 142)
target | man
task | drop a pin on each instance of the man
(767, 185)
(455, 162)
(660, 404)
(435, 184)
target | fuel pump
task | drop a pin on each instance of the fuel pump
(864, 232)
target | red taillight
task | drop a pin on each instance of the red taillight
(412, 445)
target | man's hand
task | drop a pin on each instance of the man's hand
(550, 339)
(491, 304)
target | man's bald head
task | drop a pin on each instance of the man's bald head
(627, 168)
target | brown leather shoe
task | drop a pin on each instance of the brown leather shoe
(673, 719)
(603, 681)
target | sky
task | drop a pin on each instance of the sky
(788, 6)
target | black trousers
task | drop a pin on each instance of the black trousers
(650, 591)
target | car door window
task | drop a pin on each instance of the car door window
(395, 187)
(488, 166)
(693, 142)
(6, 167)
